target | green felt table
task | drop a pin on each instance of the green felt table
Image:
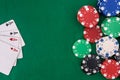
(49, 28)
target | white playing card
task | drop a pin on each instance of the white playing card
(10, 28)
(8, 55)
(14, 41)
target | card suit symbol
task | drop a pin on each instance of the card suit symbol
(11, 33)
(11, 48)
(7, 24)
(11, 39)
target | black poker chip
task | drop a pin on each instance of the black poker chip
(117, 56)
(91, 64)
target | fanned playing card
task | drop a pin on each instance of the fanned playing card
(14, 41)
(8, 56)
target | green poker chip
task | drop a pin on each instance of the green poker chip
(111, 27)
(81, 48)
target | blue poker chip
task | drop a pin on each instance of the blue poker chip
(109, 7)
(107, 47)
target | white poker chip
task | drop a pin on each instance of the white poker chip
(107, 46)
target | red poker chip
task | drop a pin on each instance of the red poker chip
(110, 69)
(92, 34)
(88, 16)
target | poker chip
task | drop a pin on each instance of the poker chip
(111, 26)
(117, 56)
(110, 7)
(107, 46)
(91, 64)
(88, 16)
(92, 34)
(81, 48)
(110, 69)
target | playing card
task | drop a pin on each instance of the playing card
(10, 28)
(14, 41)
(8, 56)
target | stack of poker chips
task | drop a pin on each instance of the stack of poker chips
(104, 36)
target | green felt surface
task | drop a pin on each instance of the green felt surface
(49, 28)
